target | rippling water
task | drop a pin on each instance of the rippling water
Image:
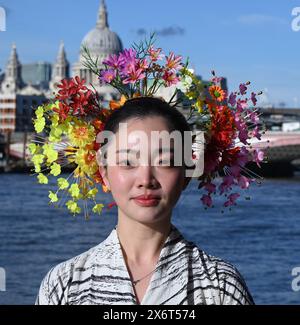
(260, 237)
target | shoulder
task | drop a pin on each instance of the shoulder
(230, 283)
(54, 287)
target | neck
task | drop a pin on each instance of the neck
(142, 243)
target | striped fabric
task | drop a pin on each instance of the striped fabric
(185, 275)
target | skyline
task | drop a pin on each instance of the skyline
(250, 41)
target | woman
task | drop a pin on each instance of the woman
(145, 260)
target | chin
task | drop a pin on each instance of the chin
(148, 217)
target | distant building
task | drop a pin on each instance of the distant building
(15, 98)
(37, 74)
(25, 86)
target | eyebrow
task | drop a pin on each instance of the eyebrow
(160, 150)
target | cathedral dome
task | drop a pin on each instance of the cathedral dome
(101, 41)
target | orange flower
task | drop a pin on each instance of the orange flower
(113, 104)
(217, 93)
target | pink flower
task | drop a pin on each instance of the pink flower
(210, 188)
(114, 61)
(129, 61)
(243, 182)
(253, 98)
(231, 199)
(217, 80)
(170, 78)
(254, 117)
(258, 156)
(155, 54)
(241, 105)
(228, 181)
(243, 157)
(133, 75)
(232, 99)
(243, 130)
(143, 64)
(256, 133)
(235, 170)
(107, 76)
(243, 89)
(173, 62)
(206, 200)
(128, 55)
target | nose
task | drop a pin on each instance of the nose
(146, 177)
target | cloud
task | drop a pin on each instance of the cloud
(258, 19)
(164, 32)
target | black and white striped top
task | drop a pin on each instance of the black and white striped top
(184, 275)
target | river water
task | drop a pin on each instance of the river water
(261, 237)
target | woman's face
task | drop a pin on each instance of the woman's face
(134, 174)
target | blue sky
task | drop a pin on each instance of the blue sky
(241, 40)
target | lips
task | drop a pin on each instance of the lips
(147, 197)
(147, 200)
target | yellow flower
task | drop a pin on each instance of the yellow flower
(92, 193)
(81, 134)
(53, 197)
(86, 161)
(62, 183)
(50, 153)
(98, 208)
(42, 179)
(73, 207)
(39, 124)
(37, 161)
(39, 112)
(75, 191)
(34, 149)
(55, 169)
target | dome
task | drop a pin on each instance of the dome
(101, 41)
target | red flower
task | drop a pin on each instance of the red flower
(63, 111)
(74, 94)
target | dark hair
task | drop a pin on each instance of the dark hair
(142, 107)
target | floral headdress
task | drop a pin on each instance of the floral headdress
(69, 126)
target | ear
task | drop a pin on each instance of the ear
(103, 173)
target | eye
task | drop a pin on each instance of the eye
(166, 163)
(126, 163)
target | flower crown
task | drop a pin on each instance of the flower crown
(70, 123)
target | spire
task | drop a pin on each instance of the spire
(12, 80)
(61, 57)
(60, 69)
(102, 21)
(13, 59)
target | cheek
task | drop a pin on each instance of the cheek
(173, 181)
(118, 180)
